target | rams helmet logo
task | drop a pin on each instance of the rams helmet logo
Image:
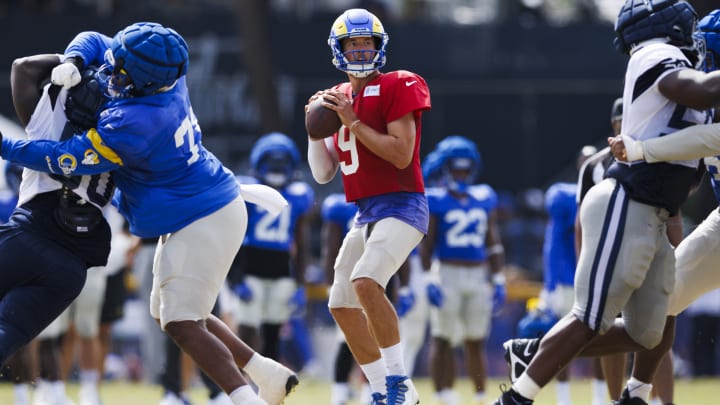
(91, 158)
(67, 163)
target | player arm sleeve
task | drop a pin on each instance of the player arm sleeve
(76, 156)
(322, 159)
(694, 142)
(90, 46)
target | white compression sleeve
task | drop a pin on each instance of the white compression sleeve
(322, 159)
(694, 142)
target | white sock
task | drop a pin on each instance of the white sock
(639, 389)
(243, 394)
(479, 397)
(526, 387)
(89, 376)
(599, 392)
(58, 389)
(340, 393)
(375, 373)
(393, 357)
(562, 388)
(655, 401)
(21, 392)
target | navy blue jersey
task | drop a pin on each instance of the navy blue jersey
(462, 224)
(559, 246)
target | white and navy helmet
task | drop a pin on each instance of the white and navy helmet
(641, 20)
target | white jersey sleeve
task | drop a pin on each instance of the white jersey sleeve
(648, 114)
(695, 142)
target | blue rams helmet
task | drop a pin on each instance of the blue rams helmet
(274, 158)
(459, 153)
(709, 29)
(144, 58)
(432, 168)
(641, 20)
(358, 22)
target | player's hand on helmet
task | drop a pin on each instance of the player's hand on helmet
(66, 75)
(243, 291)
(405, 301)
(433, 290)
(299, 299)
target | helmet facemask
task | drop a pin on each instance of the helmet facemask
(358, 23)
(115, 79)
(276, 169)
(459, 174)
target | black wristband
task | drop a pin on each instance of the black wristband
(76, 60)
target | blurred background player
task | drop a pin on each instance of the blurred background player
(22, 366)
(268, 272)
(464, 252)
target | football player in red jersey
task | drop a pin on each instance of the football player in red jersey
(377, 151)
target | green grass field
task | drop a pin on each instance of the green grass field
(687, 392)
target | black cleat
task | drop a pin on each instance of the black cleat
(510, 397)
(518, 354)
(625, 399)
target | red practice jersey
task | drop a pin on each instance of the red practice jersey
(383, 100)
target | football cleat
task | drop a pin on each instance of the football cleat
(626, 399)
(274, 381)
(401, 391)
(518, 354)
(510, 397)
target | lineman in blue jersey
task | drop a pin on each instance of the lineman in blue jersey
(337, 217)
(268, 272)
(57, 230)
(463, 244)
(627, 262)
(169, 186)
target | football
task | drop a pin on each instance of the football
(321, 122)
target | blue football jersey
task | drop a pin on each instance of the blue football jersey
(462, 224)
(165, 177)
(559, 257)
(336, 209)
(267, 231)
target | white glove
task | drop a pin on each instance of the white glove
(66, 75)
(633, 149)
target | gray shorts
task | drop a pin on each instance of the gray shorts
(626, 264)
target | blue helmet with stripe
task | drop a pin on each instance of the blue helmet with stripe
(459, 153)
(641, 20)
(144, 58)
(358, 22)
(274, 159)
(709, 29)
